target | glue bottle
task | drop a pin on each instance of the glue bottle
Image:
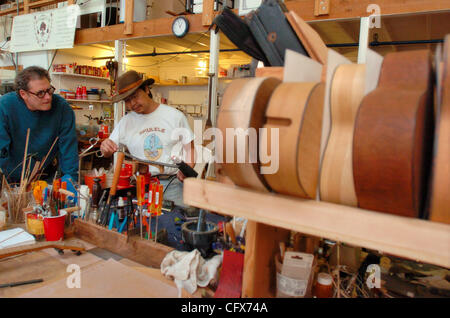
(121, 211)
(324, 286)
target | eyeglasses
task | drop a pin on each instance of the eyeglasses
(42, 93)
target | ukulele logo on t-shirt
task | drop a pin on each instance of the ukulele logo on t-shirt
(153, 147)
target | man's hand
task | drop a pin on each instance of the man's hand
(180, 176)
(108, 147)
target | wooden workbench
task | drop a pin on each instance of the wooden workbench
(103, 273)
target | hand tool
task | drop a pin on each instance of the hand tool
(129, 214)
(101, 207)
(96, 189)
(112, 191)
(158, 205)
(33, 281)
(37, 193)
(93, 141)
(63, 195)
(187, 170)
(140, 189)
(151, 207)
(56, 186)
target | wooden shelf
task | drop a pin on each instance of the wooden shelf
(180, 84)
(83, 76)
(415, 239)
(89, 101)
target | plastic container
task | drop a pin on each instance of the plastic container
(294, 275)
(16, 203)
(34, 224)
(89, 180)
(324, 286)
(125, 174)
(54, 226)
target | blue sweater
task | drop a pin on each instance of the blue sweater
(45, 126)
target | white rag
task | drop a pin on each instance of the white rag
(189, 269)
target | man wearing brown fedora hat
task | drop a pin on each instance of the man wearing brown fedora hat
(152, 131)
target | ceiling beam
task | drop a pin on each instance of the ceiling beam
(142, 29)
(351, 9)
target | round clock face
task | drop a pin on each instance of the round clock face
(180, 27)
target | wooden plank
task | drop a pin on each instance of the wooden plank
(35, 4)
(129, 16)
(108, 279)
(411, 238)
(147, 28)
(27, 267)
(11, 68)
(261, 245)
(208, 12)
(350, 9)
(142, 251)
(26, 6)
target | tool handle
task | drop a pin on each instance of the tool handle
(140, 184)
(72, 209)
(33, 281)
(66, 192)
(230, 231)
(96, 192)
(117, 169)
(187, 170)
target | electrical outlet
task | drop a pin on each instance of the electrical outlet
(322, 7)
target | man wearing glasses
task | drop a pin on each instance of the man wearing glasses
(34, 105)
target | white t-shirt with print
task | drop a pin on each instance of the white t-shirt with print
(156, 136)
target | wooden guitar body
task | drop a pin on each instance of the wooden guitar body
(393, 136)
(296, 110)
(243, 106)
(440, 197)
(336, 176)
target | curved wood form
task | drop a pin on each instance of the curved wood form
(440, 198)
(243, 106)
(336, 174)
(310, 39)
(296, 110)
(393, 136)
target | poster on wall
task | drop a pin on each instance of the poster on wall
(45, 30)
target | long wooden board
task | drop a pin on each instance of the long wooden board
(261, 245)
(415, 239)
(142, 251)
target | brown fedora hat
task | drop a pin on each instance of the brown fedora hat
(128, 83)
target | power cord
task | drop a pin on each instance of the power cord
(173, 177)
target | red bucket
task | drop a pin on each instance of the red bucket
(54, 226)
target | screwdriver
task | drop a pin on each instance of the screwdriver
(151, 206)
(158, 205)
(112, 191)
(140, 188)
